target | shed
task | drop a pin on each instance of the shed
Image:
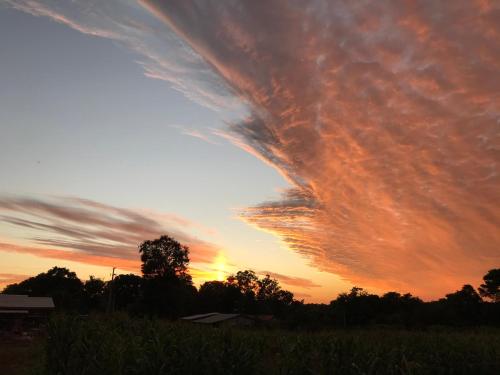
(19, 311)
(23, 302)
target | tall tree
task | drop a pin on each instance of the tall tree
(167, 286)
(165, 258)
(491, 287)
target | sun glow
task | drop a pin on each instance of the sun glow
(220, 267)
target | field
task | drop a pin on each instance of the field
(121, 345)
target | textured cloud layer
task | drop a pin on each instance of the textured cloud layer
(89, 232)
(384, 115)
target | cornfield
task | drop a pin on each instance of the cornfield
(121, 345)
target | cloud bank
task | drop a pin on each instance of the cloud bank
(384, 117)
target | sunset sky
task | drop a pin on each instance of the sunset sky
(327, 143)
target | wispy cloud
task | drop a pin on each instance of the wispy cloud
(292, 281)
(195, 133)
(90, 232)
(9, 278)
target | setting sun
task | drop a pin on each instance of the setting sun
(220, 267)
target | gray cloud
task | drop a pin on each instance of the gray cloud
(91, 230)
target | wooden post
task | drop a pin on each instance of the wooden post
(111, 303)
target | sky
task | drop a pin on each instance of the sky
(327, 143)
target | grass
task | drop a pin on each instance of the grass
(121, 345)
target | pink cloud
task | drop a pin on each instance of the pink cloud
(10, 278)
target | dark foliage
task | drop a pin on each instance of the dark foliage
(166, 290)
(93, 293)
(165, 258)
(491, 287)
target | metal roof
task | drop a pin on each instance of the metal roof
(216, 318)
(199, 316)
(17, 301)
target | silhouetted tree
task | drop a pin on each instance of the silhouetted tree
(267, 288)
(398, 309)
(247, 281)
(463, 306)
(164, 258)
(218, 296)
(93, 293)
(356, 307)
(127, 291)
(491, 287)
(167, 285)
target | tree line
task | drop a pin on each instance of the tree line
(166, 289)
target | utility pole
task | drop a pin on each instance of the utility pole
(111, 302)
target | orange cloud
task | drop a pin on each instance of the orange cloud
(291, 280)
(384, 116)
(81, 257)
(9, 278)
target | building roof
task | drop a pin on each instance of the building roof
(14, 312)
(216, 318)
(22, 302)
(199, 316)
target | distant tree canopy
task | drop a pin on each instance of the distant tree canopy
(127, 291)
(218, 296)
(165, 289)
(93, 292)
(246, 281)
(491, 286)
(244, 292)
